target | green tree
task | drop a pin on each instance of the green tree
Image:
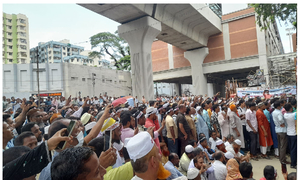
(282, 12)
(113, 46)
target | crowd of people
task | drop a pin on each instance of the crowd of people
(195, 137)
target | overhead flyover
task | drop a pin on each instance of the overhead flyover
(186, 26)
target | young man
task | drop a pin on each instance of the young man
(252, 128)
(246, 171)
(172, 132)
(26, 138)
(184, 129)
(219, 166)
(171, 166)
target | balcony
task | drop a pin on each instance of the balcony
(57, 55)
(74, 53)
(56, 61)
(57, 49)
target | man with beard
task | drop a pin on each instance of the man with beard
(184, 129)
(145, 158)
(185, 159)
(220, 145)
(34, 128)
(152, 121)
(219, 166)
(171, 166)
(165, 153)
(234, 148)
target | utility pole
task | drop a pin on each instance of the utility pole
(93, 80)
(37, 74)
(290, 34)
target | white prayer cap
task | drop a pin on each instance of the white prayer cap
(165, 105)
(260, 104)
(149, 111)
(126, 141)
(139, 145)
(118, 146)
(219, 142)
(85, 118)
(90, 125)
(189, 148)
(192, 173)
(198, 108)
(238, 142)
(229, 155)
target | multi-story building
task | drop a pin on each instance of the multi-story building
(240, 50)
(62, 51)
(20, 80)
(15, 44)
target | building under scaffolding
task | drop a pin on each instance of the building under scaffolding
(282, 70)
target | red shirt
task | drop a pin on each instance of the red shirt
(149, 123)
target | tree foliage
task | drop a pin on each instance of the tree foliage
(124, 62)
(282, 12)
(113, 46)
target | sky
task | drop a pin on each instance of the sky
(56, 22)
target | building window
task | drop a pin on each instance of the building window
(9, 40)
(49, 52)
(9, 27)
(72, 60)
(22, 27)
(64, 53)
(77, 60)
(83, 79)
(74, 78)
(22, 61)
(10, 60)
(9, 33)
(22, 21)
(9, 20)
(10, 47)
(64, 48)
(10, 54)
(49, 57)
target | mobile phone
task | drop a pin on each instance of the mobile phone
(283, 168)
(28, 102)
(70, 129)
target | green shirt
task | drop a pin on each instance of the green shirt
(124, 172)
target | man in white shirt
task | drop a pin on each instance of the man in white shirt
(234, 148)
(252, 128)
(219, 166)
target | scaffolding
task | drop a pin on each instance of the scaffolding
(282, 70)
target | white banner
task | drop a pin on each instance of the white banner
(258, 91)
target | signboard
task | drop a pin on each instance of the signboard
(48, 94)
(258, 91)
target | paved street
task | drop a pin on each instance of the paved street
(258, 167)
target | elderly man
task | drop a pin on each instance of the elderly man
(236, 126)
(204, 147)
(145, 158)
(186, 159)
(171, 166)
(265, 138)
(234, 148)
(219, 166)
(201, 126)
(220, 146)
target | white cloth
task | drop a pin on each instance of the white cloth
(213, 143)
(136, 178)
(224, 125)
(230, 149)
(235, 122)
(251, 116)
(119, 161)
(191, 165)
(226, 143)
(242, 111)
(219, 170)
(290, 121)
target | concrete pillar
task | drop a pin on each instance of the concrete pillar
(210, 89)
(196, 58)
(140, 35)
(262, 52)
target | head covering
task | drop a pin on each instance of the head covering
(54, 116)
(260, 104)
(126, 141)
(233, 171)
(219, 142)
(169, 111)
(149, 111)
(192, 173)
(232, 106)
(165, 105)
(139, 145)
(118, 146)
(85, 118)
(202, 139)
(229, 155)
(189, 148)
(90, 126)
(109, 124)
(238, 142)
(198, 108)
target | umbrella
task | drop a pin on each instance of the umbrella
(123, 100)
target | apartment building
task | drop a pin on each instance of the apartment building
(15, 42)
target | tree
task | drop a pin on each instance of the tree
(112, 45)
(282, 12)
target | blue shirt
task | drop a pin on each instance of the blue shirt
(201, 126)
(205, 150)
(267, 114)
(174, 172)
(278, 120)
(46, 172)
(206, 119)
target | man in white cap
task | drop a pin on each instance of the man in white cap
(193, 174)
(185, 159)
(234, 148)
(201, 126)
(220, 146)
(145, 158)
(219, 166)
(228, 155)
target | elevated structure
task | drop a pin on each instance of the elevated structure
(186, 26)
(15, 44)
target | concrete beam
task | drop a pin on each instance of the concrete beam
(196, 58)
(140, 35)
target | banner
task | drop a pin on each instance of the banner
(258, 91)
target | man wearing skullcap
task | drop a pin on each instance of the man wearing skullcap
(234, 148)
(145, 158)
(220, 145)
(265, 138)
(186, 159)
(204, 147)
(236, 126)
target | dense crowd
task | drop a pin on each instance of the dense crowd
(195, 137)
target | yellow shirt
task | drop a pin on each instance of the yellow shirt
(209, 113)
(170, 123)
(124, 172)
